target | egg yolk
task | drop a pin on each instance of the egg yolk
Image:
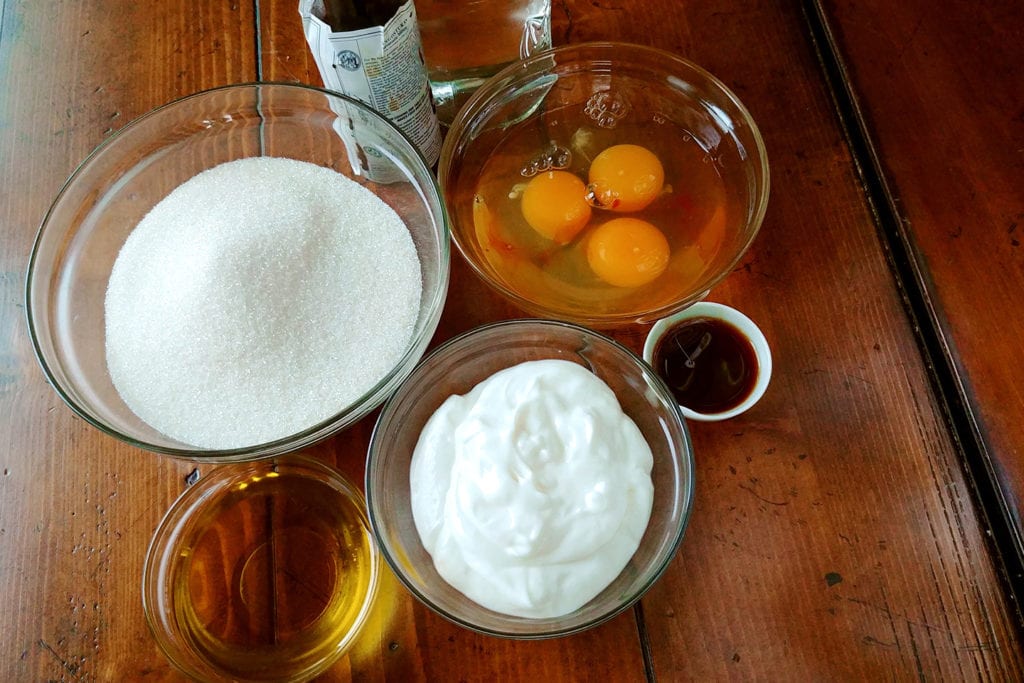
(626, 177)
(555, 205)
(627, 252)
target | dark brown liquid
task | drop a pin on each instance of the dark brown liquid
(709, 365)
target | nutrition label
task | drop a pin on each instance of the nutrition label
(383, 67)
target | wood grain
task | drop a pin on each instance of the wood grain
(942, 99)
(77, 508)
(834, 536)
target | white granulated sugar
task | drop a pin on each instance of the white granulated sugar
(258, 298)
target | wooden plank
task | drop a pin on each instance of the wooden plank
(834, 536)
(77, 507)
(941, 97)
(422, 644)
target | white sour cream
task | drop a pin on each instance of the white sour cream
(532, 491)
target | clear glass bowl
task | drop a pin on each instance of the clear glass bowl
(135, 168)
(455, 368)
(619, 93)
(261, 571)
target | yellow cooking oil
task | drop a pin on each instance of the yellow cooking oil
(274, 577)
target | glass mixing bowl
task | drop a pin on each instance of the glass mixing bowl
(458, 366)
(556, 111)
(129, 173)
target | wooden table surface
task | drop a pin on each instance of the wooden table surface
(862, 522)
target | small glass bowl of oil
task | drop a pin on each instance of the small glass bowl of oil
(262, 571)
(604, 183)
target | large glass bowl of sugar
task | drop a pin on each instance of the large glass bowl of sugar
(122, 181)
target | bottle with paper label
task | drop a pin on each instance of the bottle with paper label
(371, 52)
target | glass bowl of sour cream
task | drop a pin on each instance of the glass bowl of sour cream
(530, 479)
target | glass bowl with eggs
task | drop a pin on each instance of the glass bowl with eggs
(604, 183)
(239, 273)
(530, 479)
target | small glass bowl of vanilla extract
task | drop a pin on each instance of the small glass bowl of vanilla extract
(714, 359)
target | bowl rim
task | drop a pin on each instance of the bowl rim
(685, 463)
(310, 435)
(476, 103)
